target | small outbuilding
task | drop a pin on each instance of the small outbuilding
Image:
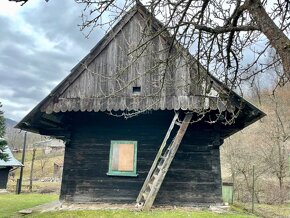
(7, 166)
(54, 147)
(143, 125)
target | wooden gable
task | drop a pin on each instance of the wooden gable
(106, 81)
(106, 78)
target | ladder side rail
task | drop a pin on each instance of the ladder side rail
(159, 153)
(162, 173)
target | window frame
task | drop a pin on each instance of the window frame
(112, 172)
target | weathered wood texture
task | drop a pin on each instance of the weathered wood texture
(163, 167)
(4, 177)
(106, 80)
(158, 155)
(193, 177)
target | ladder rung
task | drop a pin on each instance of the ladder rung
(155, 175)
(151, 180)
(150, 185)
(156, 172)
(166, 153)
(145, 195)
(162, 163)
(178, 123)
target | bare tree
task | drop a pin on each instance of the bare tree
(239, 156)
(277, 134)
(265, 145)
(15, 138)
(43, 162)
(219, 33)
(222, 35)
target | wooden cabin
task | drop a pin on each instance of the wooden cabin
(7, 166)
(141, 123)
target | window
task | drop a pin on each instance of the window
(136, 89)
(123, 158)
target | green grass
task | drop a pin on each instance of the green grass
(264, 210)
(278, 210)
(238, 208)
(11, 203)
(127, 214)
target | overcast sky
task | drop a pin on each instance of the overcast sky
(40, 43)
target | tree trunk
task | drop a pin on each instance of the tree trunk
(278, 40)
(280, 183)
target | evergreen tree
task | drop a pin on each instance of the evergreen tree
(3, 142)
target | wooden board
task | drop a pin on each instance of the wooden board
(126, 157)
(123, 157)
(115, 158)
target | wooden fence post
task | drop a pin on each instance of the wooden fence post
(253, 190)
(19, 182)
(31, 169)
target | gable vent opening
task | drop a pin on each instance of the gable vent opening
(136, 89)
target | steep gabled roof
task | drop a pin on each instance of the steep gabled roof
(93, 85)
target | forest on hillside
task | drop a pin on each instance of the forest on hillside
(264, 146)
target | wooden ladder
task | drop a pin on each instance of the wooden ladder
(161, 163)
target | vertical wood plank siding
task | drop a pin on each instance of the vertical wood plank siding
(106, 83)
(193, 178)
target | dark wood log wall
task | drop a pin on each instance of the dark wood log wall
(194, 176)
(4, 177)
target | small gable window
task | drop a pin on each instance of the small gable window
(136, 89)
(123, 158)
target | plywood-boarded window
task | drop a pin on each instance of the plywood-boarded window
(123, 158)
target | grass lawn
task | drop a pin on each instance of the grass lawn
(274, 210)
(130, 214)
(11, 203)
(266, 210)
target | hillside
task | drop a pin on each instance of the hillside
(264, 146)
(15, 137)
(10, 123)
(46, 177)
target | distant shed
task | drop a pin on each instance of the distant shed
(162, 153)
(7, 166)
(228, 190)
